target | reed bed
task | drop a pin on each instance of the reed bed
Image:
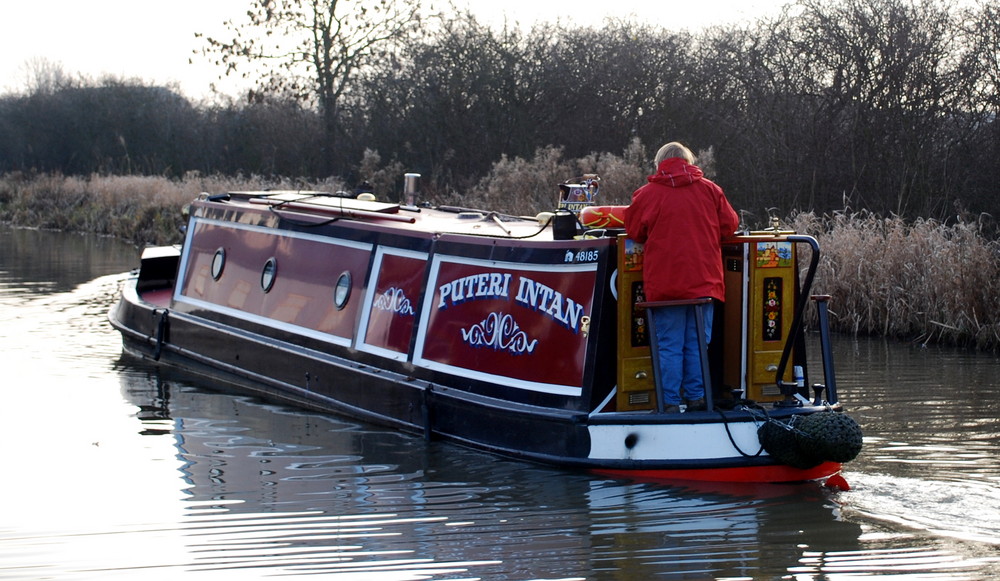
(140, 209)
(924, 280)
(522, 187)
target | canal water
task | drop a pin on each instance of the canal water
(115, 469)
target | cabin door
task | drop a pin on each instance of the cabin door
(761, 288)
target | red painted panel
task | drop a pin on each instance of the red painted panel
(234, 288)
(504, 320)
(306, 274)
(397, 289)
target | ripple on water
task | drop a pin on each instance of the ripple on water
(119, 470)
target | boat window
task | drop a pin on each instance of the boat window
(218, 263)
(268, 275)
(342, 292)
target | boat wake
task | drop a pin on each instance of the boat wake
(960, 509)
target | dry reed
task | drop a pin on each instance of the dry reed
(524, 187)
(924, 280)
(139, 209)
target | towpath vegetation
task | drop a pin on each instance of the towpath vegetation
(925, 281)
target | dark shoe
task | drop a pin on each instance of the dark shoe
(671, 409)
(695, 405)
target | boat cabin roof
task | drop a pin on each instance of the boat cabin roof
(439, 219)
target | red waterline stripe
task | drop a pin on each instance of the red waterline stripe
(771, 474)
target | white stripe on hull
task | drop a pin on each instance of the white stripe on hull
(694, 441)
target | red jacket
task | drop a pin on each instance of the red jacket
(680, 217)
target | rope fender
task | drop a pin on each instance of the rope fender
(805, 441)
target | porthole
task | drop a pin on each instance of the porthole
(342, 292)
(218, 263)
(268, 275)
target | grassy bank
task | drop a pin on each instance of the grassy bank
(923, 281)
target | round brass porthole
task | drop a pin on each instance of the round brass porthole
(268, 275)
(342, 292)
(218, 263)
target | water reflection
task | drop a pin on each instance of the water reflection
(37, 262)
(269, 488)
(932, 451)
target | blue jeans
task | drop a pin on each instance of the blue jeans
(676, 334)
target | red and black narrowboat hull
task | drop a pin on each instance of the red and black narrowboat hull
(471, 327)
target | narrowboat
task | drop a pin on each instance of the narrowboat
(522, 336)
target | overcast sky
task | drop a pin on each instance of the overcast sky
(154, 40)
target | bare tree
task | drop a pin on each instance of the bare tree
(41, 75)
(311, 49)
